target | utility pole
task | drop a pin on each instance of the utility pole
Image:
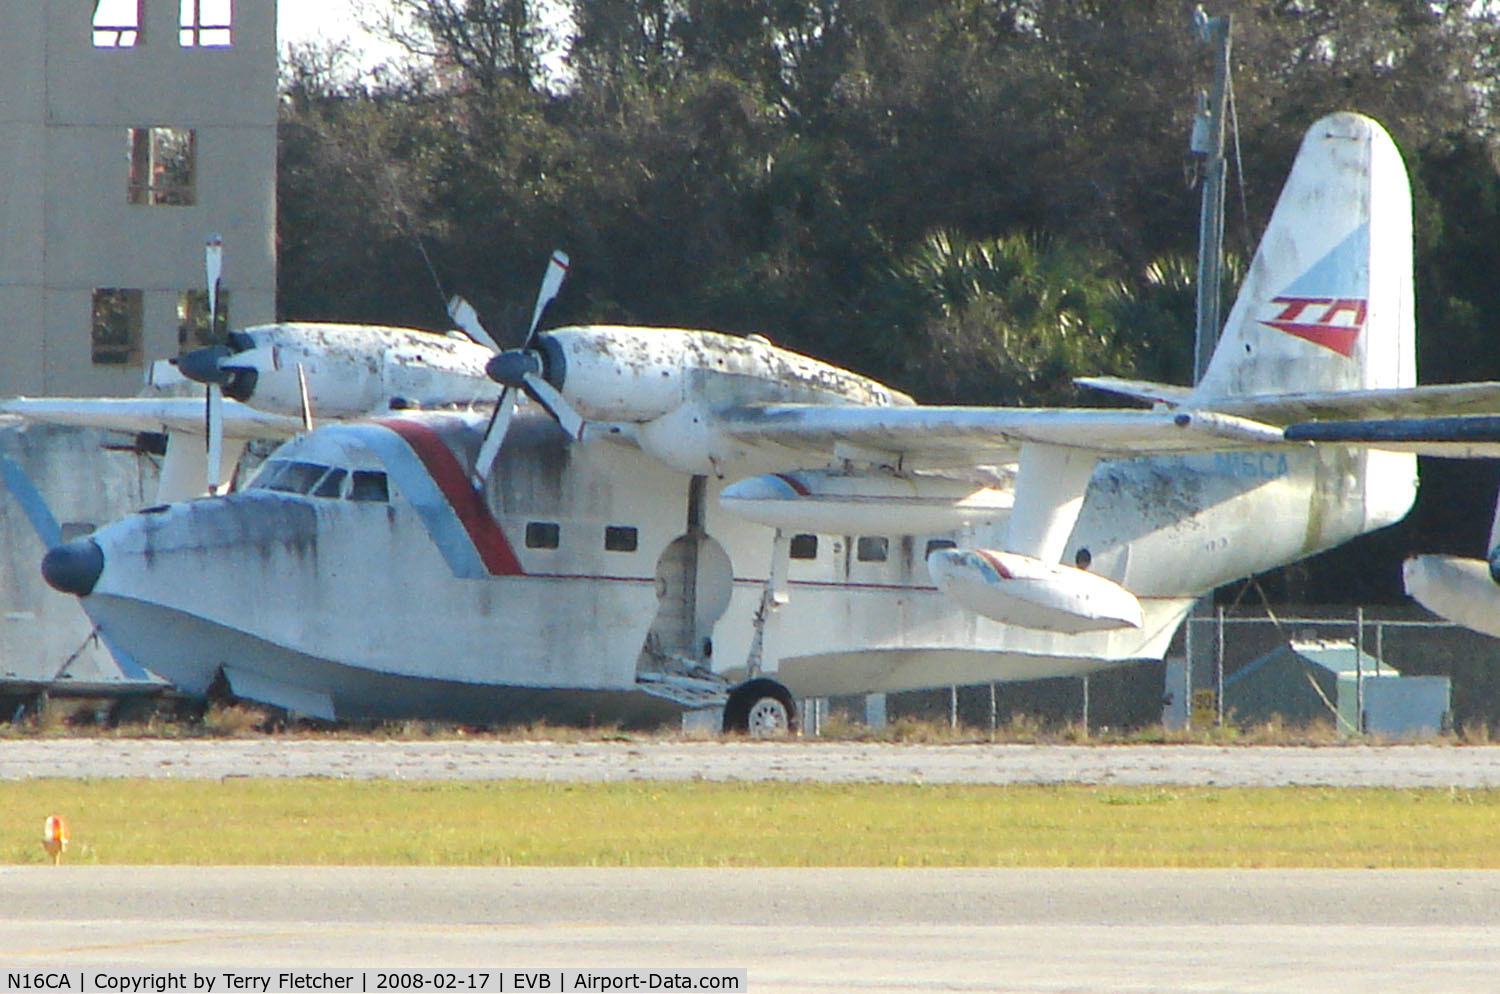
(1208, 141)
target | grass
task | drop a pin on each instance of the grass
(316, 821)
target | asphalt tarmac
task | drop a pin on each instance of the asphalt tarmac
(796, 930)
(791, 930)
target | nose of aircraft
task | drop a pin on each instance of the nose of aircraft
(74, 567)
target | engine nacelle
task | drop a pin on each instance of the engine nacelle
(1019, 590)
(836, 503)
(1455, 588)
(613, 373)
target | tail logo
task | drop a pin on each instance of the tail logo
(1332, 322)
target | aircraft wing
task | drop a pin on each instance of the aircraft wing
(1474, 436)
(1146, 390)
(955, 436)
(151, 414)
(1432, 400)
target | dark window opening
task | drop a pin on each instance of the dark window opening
(332, 484)
(620, 538)
(193, 331)
(161, 166)
(872, 549)
(118, 327)
(288, 477)
(542, 534)
(369, 485)
(934, 544)
(804, 547)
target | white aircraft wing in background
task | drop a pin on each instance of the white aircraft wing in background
(184, 466)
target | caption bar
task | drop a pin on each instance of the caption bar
(106, 981)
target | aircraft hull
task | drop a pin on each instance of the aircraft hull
(200, 656)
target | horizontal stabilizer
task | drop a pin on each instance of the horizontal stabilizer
(1143, 390)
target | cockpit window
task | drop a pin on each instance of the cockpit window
(290, 477)
(369, 485)
(331, 485)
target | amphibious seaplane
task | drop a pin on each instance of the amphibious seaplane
(268, 381)
(678, 518)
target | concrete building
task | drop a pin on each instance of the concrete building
(129, 131)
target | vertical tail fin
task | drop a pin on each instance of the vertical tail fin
(1327, 304)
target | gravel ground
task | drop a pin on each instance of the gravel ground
(831, 762)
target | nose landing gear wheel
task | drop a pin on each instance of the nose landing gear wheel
(761, 709)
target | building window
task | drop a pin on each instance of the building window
(804, 547)
(117, 327)
(872, 549)
(620, 538)
(205, 24)
(117, 23)
(192, 320)
(541, 534)
(161, 166)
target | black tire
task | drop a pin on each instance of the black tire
(761, 709)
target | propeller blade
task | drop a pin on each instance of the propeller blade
(213, 269)
(557, 270)
(463, 314)
(163, 373)
(213, 415)
(494, 436)
(562, 412)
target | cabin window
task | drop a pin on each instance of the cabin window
(118, 325)
(620, 538)
(193, 331)
(542, 534)
(369, 485)
(161, 166)
(117, 23)
(934, 544)
(331, 485)
(872, 548)
(205, 24)
(804, 547)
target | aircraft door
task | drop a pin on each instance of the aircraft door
(694, 580)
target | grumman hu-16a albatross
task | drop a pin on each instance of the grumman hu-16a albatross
(268, 381)
(700, 519)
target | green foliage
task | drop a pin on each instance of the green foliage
(794, 167)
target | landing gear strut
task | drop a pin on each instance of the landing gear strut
(762, 709)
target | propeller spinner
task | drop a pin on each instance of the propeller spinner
(518, 369)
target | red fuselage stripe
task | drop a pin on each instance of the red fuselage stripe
(483, 530)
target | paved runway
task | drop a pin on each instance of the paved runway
(799, 930)
(792, 930)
